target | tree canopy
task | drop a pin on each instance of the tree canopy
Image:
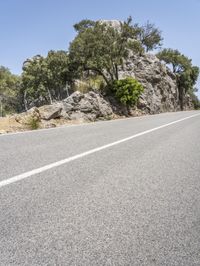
(84, 24)
(44, 78)
(8, 82)
(186, 73)
(150, 37)
(178, 61)
(9, 90)
(102, 48)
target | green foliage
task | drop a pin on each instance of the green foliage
(9, 91)
(44, 79)
(34, 80)
(93, 82)
(178, 61)
(187, 79)
(195, 100)
(150, 37)
(101, 48)
(7, 82)
(127, 90)
(33, 123)
(186, 74)
(84, 24)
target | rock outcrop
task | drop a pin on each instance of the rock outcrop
(160, 86)
(48, 112)
(77, 108)
(86, 107)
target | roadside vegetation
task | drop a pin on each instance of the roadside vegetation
(33, 123)
(127, 90)
(93, 61)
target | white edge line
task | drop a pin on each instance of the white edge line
(78, 156)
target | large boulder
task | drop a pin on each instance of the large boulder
(25, 117)
(86, 107)
(48, 112)
(116, 24)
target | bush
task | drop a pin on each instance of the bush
(33, 123)
(127, 90)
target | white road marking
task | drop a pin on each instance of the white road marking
(78, 156)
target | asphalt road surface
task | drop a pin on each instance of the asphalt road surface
(123, 192)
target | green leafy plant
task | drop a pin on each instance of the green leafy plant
(127, 90)
(44, 79)
(33, 123)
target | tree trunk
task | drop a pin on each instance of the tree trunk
(181, 97)
(25, 101)
(100, 73)
(50, 97)
(116, 72)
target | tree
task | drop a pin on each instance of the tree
(58, 73)
(186, 74)
(150, 37)
(84, 24)
(102, 49)
(44, 78)
(178, 61)
(34, 79)
(9, 91)
(188, 78)
(8, 82)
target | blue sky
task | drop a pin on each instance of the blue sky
(30, 27)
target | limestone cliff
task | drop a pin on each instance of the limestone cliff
(160, 85)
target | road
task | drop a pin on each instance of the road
(123, 192)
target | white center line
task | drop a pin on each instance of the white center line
(78, 156)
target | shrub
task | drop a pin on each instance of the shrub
(127, 90)
(33, 123)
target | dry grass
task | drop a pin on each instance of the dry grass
(85, 85)
(9, 124)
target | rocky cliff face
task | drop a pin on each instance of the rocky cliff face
(161, 90)
(160, 93)
(160, 86)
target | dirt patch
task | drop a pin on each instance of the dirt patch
(9, 124)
